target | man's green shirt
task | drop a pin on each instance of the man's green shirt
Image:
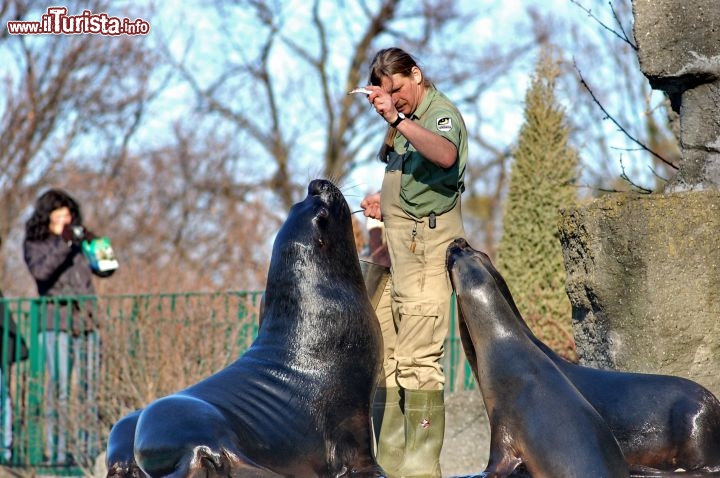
(426, 187)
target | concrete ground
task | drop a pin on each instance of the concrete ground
(467, 434)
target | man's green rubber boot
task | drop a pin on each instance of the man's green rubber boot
(388, 429)
(424, 433)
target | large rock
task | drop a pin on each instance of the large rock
(678, 42)
(644, 283)
(679, 52)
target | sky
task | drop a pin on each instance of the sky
(196, 22)
(499, 19)
(504, 100)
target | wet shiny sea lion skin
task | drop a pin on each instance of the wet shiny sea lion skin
(662, 422)
(120, 448)
(296, 403)
(538, 419)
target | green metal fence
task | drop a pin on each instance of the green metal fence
(55, 414)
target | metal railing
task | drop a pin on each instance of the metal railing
(71, 366)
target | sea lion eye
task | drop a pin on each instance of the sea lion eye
(321, 216)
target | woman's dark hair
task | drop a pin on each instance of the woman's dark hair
(37, 228)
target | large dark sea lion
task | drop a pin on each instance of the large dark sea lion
(537, 417)
(660, 421)
(296, 403)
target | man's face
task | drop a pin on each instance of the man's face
(407, 91)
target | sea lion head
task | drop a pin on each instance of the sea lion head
(314, 252)
(480, 299)
(467, 267)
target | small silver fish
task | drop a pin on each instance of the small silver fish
(359, 89)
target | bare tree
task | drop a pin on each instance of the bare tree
(276, 109)
(623, 128)
(282, 84)
(180, 221)
(77, 114)
(192, 201)
(68, 99)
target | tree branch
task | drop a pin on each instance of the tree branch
(625, 177)
(616, 123)
(622, 36)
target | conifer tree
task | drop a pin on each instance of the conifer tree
(541, 183)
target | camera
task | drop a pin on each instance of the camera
(78, 233)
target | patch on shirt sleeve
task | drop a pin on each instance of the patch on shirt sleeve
(444, 123)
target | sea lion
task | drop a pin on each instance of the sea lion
(537, 417)
(297, 401)
(120, 448)
(661, 422)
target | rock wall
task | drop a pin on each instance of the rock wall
(644, 283)
(679, 52)
(644, 271)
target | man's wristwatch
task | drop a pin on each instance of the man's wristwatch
(399, 119)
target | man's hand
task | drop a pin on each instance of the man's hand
(371, 206)
(383, 103)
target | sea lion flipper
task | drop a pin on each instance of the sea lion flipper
(119, 457)
(373, 470)
(502, 467)
(207, 462)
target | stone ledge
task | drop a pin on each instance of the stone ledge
(644, 283)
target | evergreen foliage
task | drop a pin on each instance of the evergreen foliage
(541, 183)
